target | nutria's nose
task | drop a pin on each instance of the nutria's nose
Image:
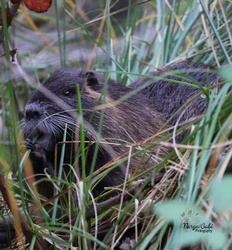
(32, 111)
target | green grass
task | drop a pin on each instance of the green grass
(149, 36)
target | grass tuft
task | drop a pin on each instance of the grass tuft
(150, 210)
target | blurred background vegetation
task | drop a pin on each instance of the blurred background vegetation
(125, 39)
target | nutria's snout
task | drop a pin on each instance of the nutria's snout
(35, 129)
(32, 111)
(33, 116)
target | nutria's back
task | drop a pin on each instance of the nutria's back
(170, 96)
(111, 114)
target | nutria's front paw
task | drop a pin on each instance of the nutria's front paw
(37, 153)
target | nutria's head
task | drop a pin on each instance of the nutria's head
(52, 112)
(52, 109)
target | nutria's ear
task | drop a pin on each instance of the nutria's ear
(91, 79)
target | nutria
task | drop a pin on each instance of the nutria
(52, 110)
(53, 107)
(169, 96)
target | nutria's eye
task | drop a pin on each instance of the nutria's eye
(67, 93)
(70, 92)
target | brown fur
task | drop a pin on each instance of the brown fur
(54, 105)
